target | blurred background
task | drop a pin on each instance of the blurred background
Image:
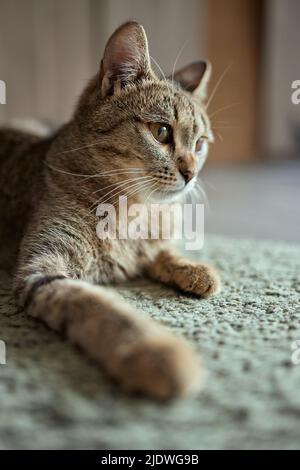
(50, 48)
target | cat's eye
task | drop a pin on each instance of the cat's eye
(199, 145)
(161, 132)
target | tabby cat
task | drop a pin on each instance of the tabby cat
(130, 129)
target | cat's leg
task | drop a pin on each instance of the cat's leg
(173, 269)
(141, 354)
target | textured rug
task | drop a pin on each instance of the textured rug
(51, 396)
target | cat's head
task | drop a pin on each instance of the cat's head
(156, 128)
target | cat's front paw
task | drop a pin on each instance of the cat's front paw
(198, 279)
(160, 367)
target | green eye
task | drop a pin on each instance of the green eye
(161, 132)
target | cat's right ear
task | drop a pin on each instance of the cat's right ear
(126, 58)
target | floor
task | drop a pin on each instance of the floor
(52, 396)
(254, 201)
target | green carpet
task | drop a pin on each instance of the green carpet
(51, 396)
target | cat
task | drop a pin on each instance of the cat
(128, 124)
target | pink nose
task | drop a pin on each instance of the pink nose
(187, 166)
(187, 174)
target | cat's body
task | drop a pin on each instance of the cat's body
(49, 189)
(23, 205)
(22, 158)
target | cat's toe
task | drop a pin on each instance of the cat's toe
(204, 281)
(161, 367)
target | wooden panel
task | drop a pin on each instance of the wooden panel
(73, 52)
(234, 38)
(281, 118)
(47, 84)
(17, 64)
(171, 26)
(62, 50)
(45, 56)
(50, 48)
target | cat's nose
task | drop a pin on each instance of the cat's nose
(187, 174)
(187, 168)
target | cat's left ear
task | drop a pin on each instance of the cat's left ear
(195, 77)
(126, 58)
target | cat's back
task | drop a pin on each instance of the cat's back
(21, 160)
(15, 145)
(21, 168)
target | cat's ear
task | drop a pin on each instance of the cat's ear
(194, 77)
(126, 58)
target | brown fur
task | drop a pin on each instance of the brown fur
(49, 185)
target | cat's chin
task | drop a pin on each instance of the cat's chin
(175, 195)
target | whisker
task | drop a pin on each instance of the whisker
(225, 127)
(223, 109)
(198, 195)
(120, 183)
(176, 60)
(116, 172)
(149, 195)
(140, 186)
(143, 187)
(121, 189)
(190, 195)
(221, 78)
(168, 192)
(203, 195)
(221, 122)
(66, 172)
(220, 136)
(103, 173)
(106, 200)
(206, 183)
(78, 148)
(167, 83)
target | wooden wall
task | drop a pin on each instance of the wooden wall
(50, 48)
(281, 118)
(234, 44)
(40, 42)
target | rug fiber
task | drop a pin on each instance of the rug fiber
(52, 397)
